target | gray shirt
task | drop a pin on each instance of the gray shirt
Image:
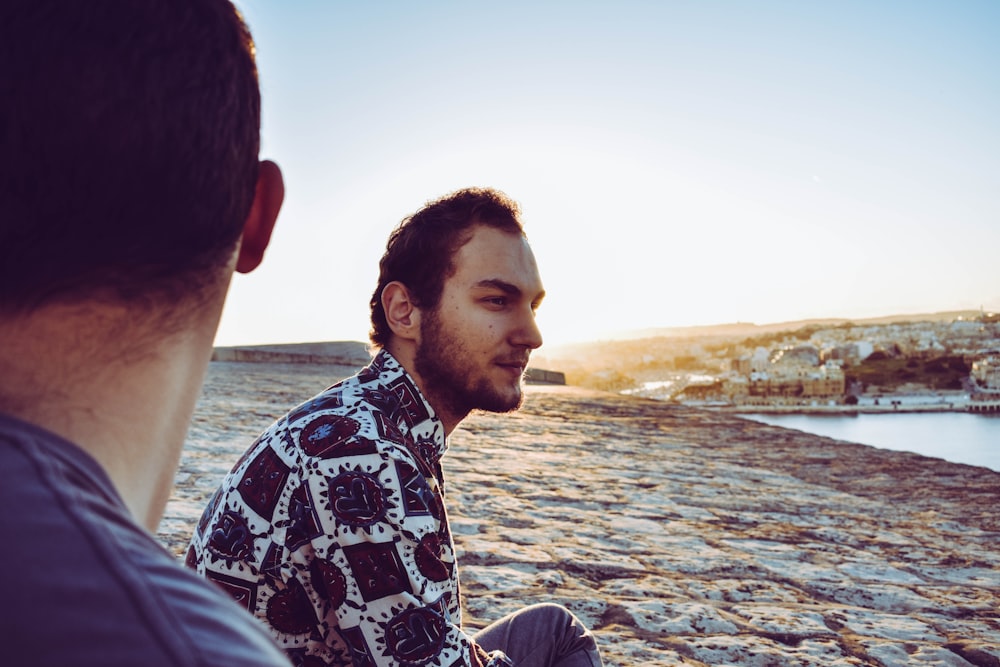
(83, 584)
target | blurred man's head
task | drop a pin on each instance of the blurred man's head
(130, 134)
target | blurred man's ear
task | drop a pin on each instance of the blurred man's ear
(267, 199)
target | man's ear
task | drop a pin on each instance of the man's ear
(267, 199)
(401, 313)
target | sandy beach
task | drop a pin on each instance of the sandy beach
(682, 536)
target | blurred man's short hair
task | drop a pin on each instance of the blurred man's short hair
(130, 135)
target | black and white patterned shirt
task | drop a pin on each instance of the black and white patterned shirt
(332, 529)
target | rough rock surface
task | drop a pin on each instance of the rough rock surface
(683, 537)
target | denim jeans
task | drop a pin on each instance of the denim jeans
(542, 635)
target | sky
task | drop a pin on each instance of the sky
(677, 163)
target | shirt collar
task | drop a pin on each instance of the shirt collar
(413, 414)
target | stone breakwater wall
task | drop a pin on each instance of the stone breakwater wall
(347, 353)
(342, 353)
(683, 537)
(541, 376)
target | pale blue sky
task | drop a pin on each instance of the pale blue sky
(677, 163)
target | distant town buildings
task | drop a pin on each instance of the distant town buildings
(790, 375)
(811, 372)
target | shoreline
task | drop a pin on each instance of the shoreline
(958, 402)
(844, 410)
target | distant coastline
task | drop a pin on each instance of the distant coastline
(886, 404)
(901, 403)
(831, 409)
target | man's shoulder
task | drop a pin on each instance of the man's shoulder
(346, 420)
(373, 404)
(52, 476)
(78, 550)
(365, 422)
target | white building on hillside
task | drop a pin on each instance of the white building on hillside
(985, 376)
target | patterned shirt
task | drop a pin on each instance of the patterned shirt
(332, 529)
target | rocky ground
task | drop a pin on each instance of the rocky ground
(683, 537)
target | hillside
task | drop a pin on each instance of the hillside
(746, 329)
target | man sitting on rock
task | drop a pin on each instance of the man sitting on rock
(332, 528)
(130, 190)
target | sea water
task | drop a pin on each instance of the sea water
(960, 437)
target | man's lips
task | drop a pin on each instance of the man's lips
(517, 365)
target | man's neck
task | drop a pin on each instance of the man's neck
(119, 389)
(404, 353)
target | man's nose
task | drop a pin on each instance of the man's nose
(529, 335)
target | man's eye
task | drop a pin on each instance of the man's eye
(497, 300)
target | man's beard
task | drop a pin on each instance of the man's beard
(440, 361)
